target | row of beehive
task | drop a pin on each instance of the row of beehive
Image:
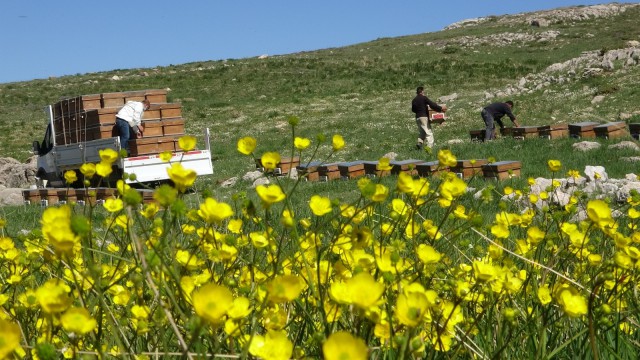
(587, 129)
(52, 196)
(317, 171)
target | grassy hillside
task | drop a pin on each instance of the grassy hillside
(364, 91)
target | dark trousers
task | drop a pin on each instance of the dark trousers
(490, 126)
(125, 130)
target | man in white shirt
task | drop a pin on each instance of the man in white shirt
(129, 121)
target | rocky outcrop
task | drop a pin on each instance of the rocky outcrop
(588, 64)
(551, 17)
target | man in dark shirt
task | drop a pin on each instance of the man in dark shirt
(420, 106)
(494, 113)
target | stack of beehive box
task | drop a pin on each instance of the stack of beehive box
(93, 117)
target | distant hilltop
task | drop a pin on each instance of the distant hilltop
(549, 17)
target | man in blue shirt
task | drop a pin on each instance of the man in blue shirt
(494, 113)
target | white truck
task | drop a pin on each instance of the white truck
(54, 160)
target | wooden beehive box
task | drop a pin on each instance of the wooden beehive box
(634, 130)
(371, 169)
(583, 129)
(309, 170)
(67, 195)
(86, 195)
(152, 128)
(173, 126)
(611, 130)
(329, 172)
(115, 99)
(430, 168)
(48, 196)
(107, 116)
(31, 196)
(153, 113)
(468, 168)
(477, 135)
(170, 110)
(351, 170)
(501, 170)
(506, 131)
(134, 95)
(406, 166)
(554, 131)
(147, 195)
(286, 164)
(156, 95)
(524, 132)
(103, 131)
(154, 145)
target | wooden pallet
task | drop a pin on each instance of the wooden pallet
(554, 131)
(611, 130)
(468, 168)
(501, 170)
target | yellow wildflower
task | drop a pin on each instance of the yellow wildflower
(270, 194)
(211, 302)
(213, 212)
(246, 145)
(342, 345)
(301, 143)
(9, 338)
(554, 165)
(108, 156)
(337, 142)
(284, 288)
(78, 321)
(104, 169)
(70, 176)
(320, 205)
(187, 143)
(182, 178)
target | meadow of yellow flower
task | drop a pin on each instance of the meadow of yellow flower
(410, 271)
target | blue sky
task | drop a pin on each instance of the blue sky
(43, 38)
